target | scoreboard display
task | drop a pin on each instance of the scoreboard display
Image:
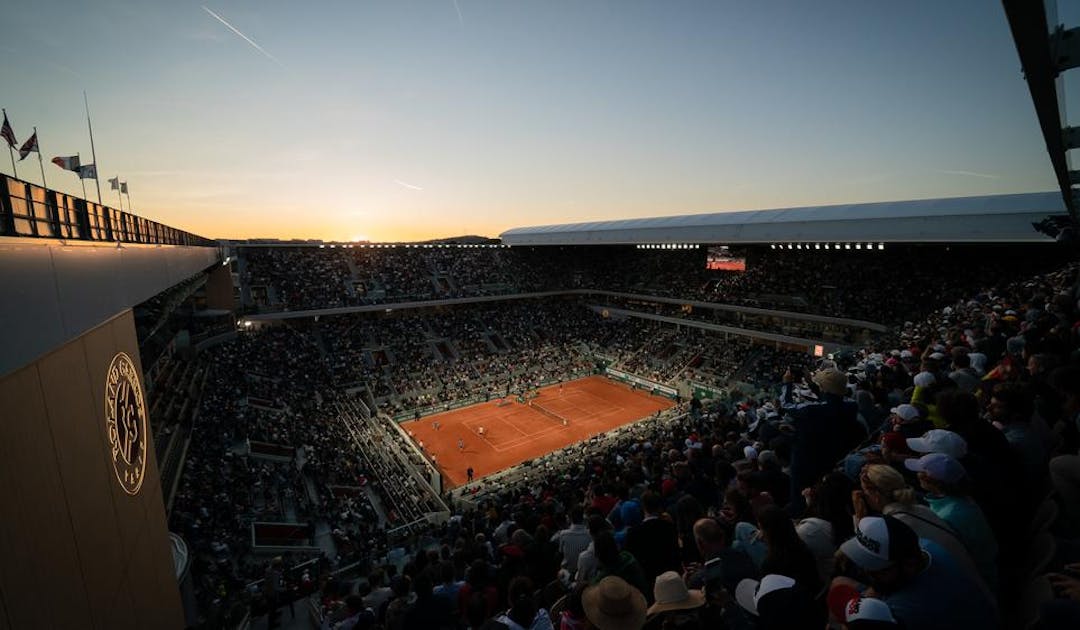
(720, 258)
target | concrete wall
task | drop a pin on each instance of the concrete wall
(77, 551)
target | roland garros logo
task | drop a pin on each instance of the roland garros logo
(125, 420)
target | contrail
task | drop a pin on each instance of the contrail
(246, 38)
(460, 19)
(970, 174)
(401, 183)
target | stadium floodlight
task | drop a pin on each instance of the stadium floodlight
(847, 245)
(817, 245)
(772, 245)
(881, 246)
(858, 245)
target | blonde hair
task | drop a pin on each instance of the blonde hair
(890, 483)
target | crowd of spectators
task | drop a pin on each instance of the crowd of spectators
(859, 284)
(926, 481)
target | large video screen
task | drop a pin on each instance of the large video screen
(719, 258)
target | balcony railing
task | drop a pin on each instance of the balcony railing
(28, 210)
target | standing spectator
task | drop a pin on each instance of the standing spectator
(824, 431)
(787, 553)
(574, 539)
(622, 564)
(1011, 407)
(524, 614)
(654, 542)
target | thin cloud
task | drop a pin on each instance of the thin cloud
(460, 19)
(245, 37)
(971, 174)
(406, 185)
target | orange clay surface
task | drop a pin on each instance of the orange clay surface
(515, 432)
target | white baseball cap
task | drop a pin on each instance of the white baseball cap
(939, 466)
(906, 411)
(749, 592)
(939, 441)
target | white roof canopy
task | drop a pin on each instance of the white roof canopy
(996, 218)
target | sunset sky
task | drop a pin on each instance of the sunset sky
(403, 120)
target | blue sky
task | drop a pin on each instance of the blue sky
(417, 119)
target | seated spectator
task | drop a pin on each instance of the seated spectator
(360, 617)
(778, 602)
(787, 553)
(622, 564)
(675, 605)
(855, 612)
(723, 567)
(587, 565)
(908, 421)
(1011, 408)
(944, 480)
(828, 520)
(524, 613)
(613, 604)
(572, 616)
(884, 492)
(919, 580)
(428, 611)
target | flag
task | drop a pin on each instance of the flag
(114, 183)
(28, 147)
(67, 163)
(8, 133)
(88, 171)
(123, 187)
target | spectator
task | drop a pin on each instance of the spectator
(723, 566)
(613, 604)
(944, 479)
(824, 431)
(654, 542)
(574, 539)
(674, 604)
(828, 520)
(524, 614)
(621, 564)
(919, 581)
(778, 602)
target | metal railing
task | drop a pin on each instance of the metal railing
(29, 210)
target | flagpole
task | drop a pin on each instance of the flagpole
(118, 195)
(81, 180)
(11, 152)
(93, 153)
(40, 163)
(129, 202)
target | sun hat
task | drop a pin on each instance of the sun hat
(879, 542)
(612, 604)
(670, 593)
(937, 466)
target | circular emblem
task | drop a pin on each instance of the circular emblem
(125, 422)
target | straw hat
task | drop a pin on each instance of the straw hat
(670, 593)
(613, 604)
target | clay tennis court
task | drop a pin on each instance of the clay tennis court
(516, 432)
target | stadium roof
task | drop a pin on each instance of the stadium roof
(996, 218)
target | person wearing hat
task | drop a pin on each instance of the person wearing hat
(884, 491)
(945, 482)
(939, 441)
(927, 387)
(908, 420)
(778, 603)
(613, 604)
(673, 600)
(920, 581)
(825, 431)
(854, 612)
